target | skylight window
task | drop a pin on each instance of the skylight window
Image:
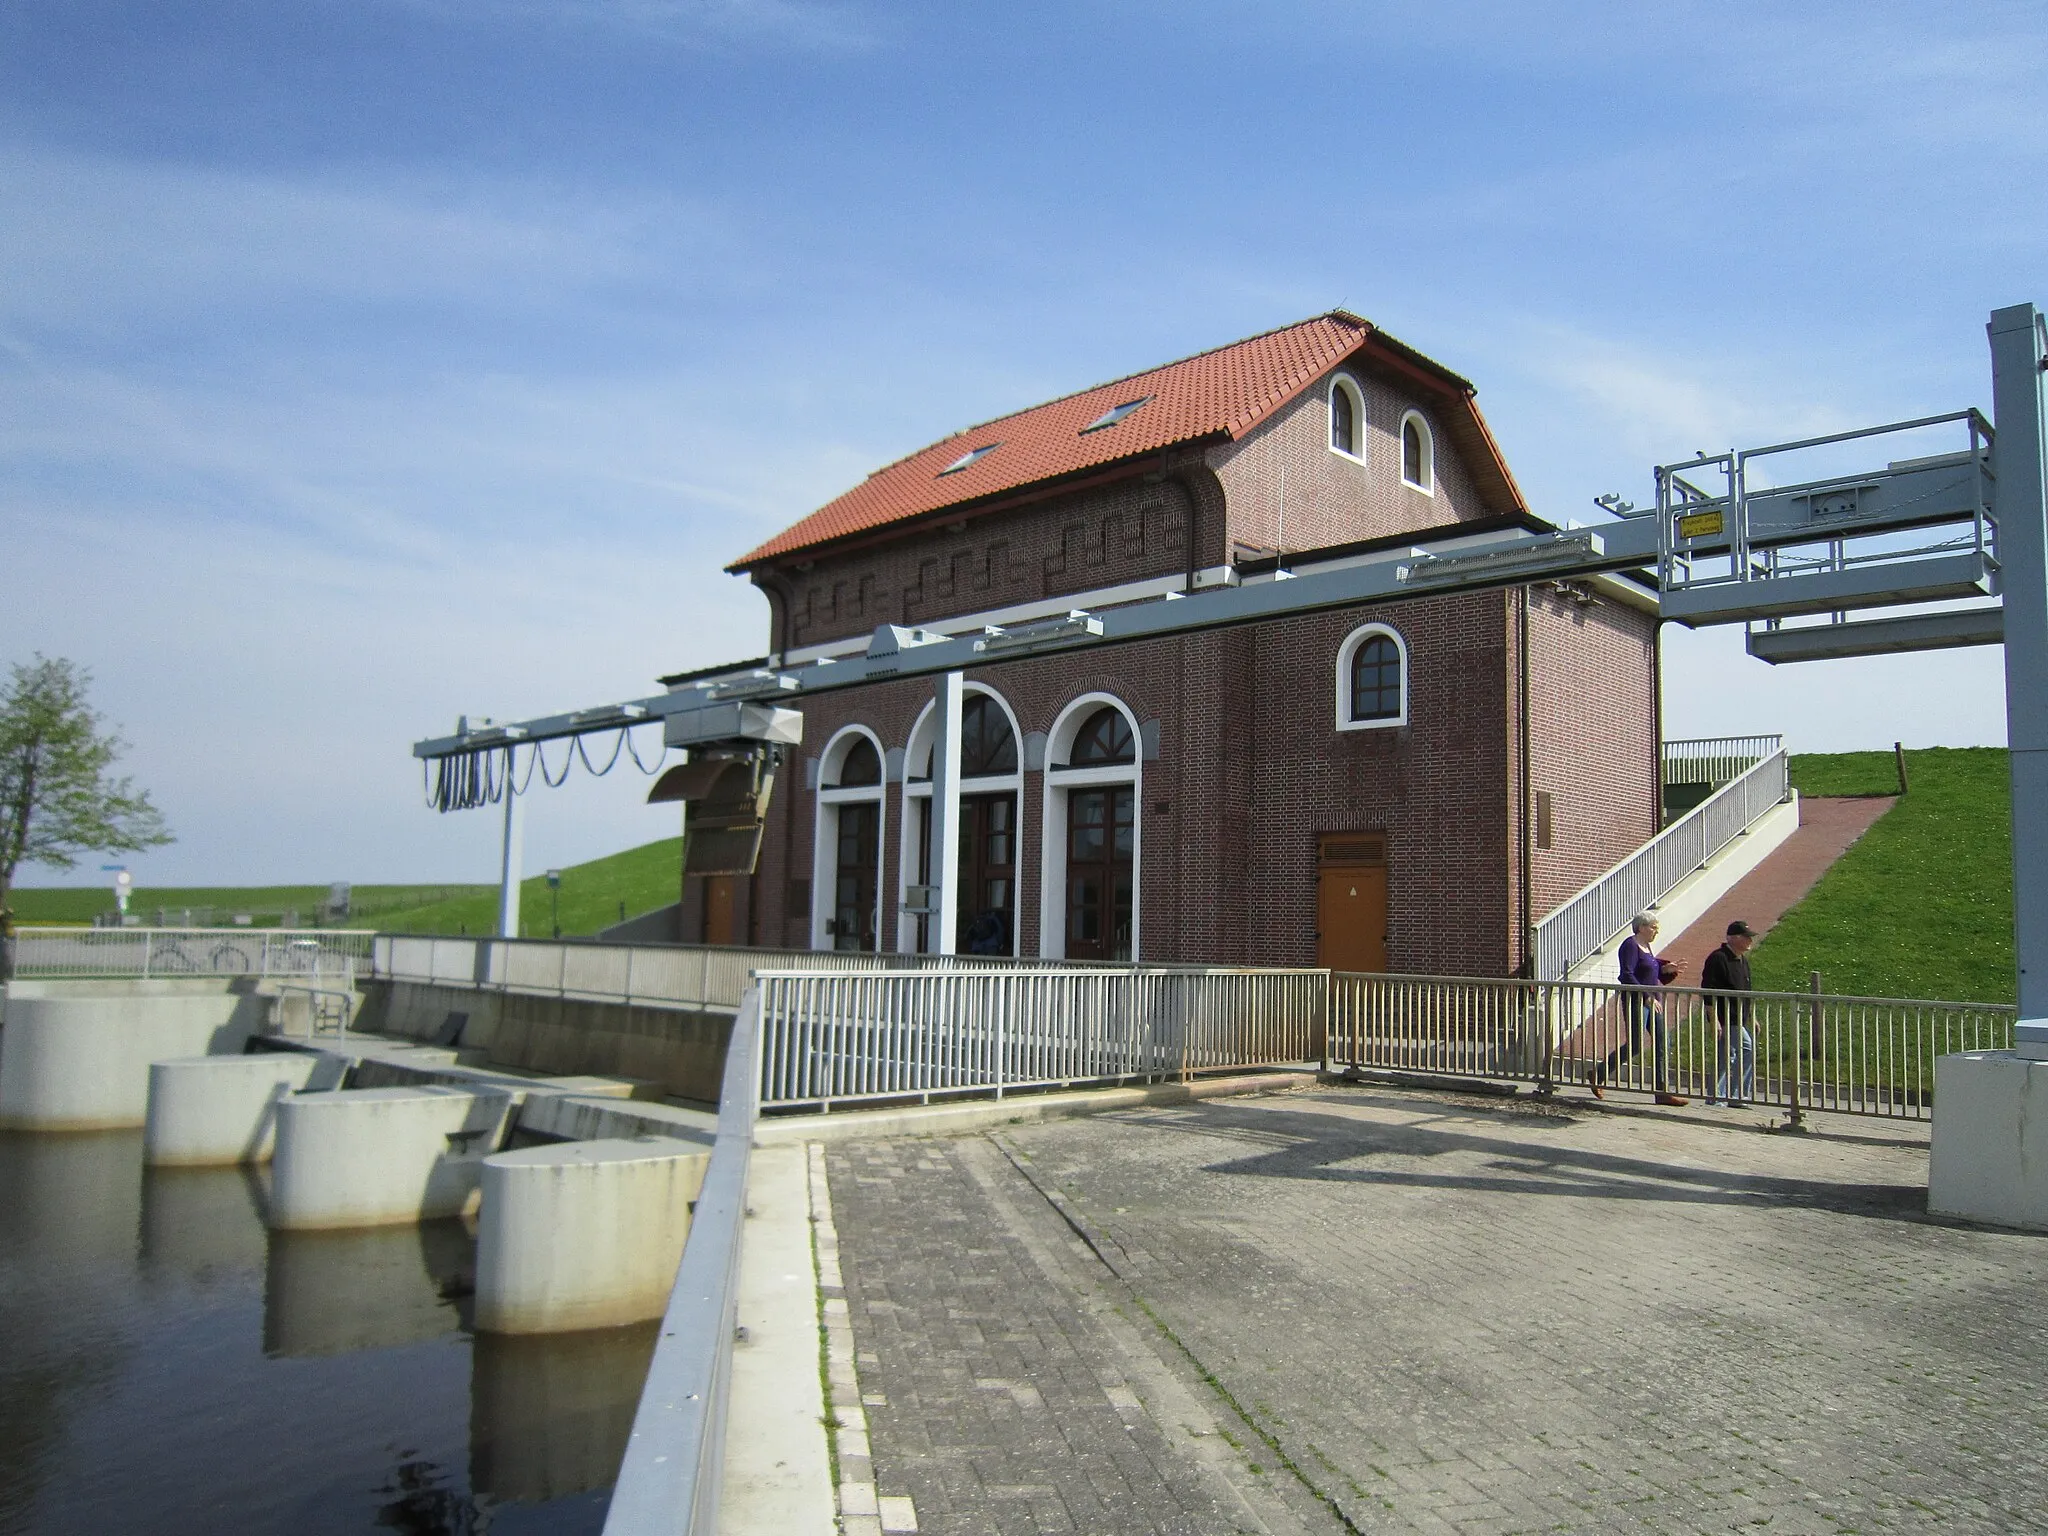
(1115, 414)
(971, 456)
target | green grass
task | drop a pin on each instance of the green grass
(1921, 905)
(642, 878)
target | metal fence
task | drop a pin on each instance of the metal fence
(837, 1038)
(1715, 759)
(1596, 914)
(1795, 1050)
(663, 975)
(669, 1478)
(153, 953)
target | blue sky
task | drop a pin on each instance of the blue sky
(367, 363)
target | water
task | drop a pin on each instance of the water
(166, 1364)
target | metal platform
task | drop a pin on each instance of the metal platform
(1879, 637)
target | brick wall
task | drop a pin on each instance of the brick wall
(1593, 735)
(1162, 521)
(1250, 770)
(1332, 499)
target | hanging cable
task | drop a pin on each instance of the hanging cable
(463, 781)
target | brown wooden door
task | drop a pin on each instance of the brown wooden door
(1351, 903)
(1101, 844)
(857, 858)
(721, 909)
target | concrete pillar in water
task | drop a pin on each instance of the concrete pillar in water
(79, 1061)
(371, 1157)
(209, 1110)
(584, 1234)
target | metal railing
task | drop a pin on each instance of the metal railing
(662, 975)
(838, 1038)
(1715, 760)
(1796, 1050)
(153, 953)
(1582, 924)
(669, 1477)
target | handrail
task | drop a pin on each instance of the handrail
(1593, 915)
(670, 1477)
(1720, 758)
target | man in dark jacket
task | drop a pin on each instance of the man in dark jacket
(1727, 970)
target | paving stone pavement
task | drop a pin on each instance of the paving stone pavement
(1442, 1315)
(1003, 1389)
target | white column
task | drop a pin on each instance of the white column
(945, 871)
(514, 854)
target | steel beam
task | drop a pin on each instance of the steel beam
(1878, 637)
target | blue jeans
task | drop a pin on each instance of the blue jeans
(1743, 1084)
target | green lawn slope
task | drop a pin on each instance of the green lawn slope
(591, 896)
(1921, 905)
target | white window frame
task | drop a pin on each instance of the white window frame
(1052, 861)
(825, 829)
(920, 741)
(1349, 386)
(1345, 652)
(1428, 439)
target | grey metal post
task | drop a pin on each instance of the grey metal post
(514, 855)
(948, 705)
(2019, 459)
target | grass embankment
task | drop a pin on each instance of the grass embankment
(1921, 905)
(592, 896)
(642, 878)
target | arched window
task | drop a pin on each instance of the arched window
(1089, 907)
(1376, 680)
(861, 765)
(1372, 679)
(987, 744)
(1347, 417)
(1104, 738)
(1418, 454)
(846, 859)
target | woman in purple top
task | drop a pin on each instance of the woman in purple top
(1640, 967)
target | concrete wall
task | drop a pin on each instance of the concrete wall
(681, 1050)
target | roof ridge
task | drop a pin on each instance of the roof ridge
(1344, 315)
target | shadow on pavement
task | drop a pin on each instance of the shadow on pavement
(1308, 1144)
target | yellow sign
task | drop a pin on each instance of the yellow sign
(1699, 525)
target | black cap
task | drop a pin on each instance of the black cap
(1739, 926)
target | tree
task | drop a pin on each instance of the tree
(58, 797)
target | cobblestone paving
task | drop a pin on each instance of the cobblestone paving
(1004, 1391)
(1454, 1317)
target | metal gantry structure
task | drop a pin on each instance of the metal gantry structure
(1967, 525)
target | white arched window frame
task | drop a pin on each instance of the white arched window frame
(1345, 653)
(1424, 479)
(1343, 384)
(1059, 780)
(917, 792)
(825, 827)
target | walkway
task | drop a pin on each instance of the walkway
(1827, 827)
(1347, 1309)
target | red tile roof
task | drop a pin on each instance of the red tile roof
(1223, 393)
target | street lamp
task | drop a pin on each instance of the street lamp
(555, 900)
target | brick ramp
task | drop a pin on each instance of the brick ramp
(1827, 829)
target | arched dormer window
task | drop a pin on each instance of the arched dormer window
(1372, 679)
(862, 765)
(1104, 738)
(987, 744)
(1418, 454)
(1347, 419)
